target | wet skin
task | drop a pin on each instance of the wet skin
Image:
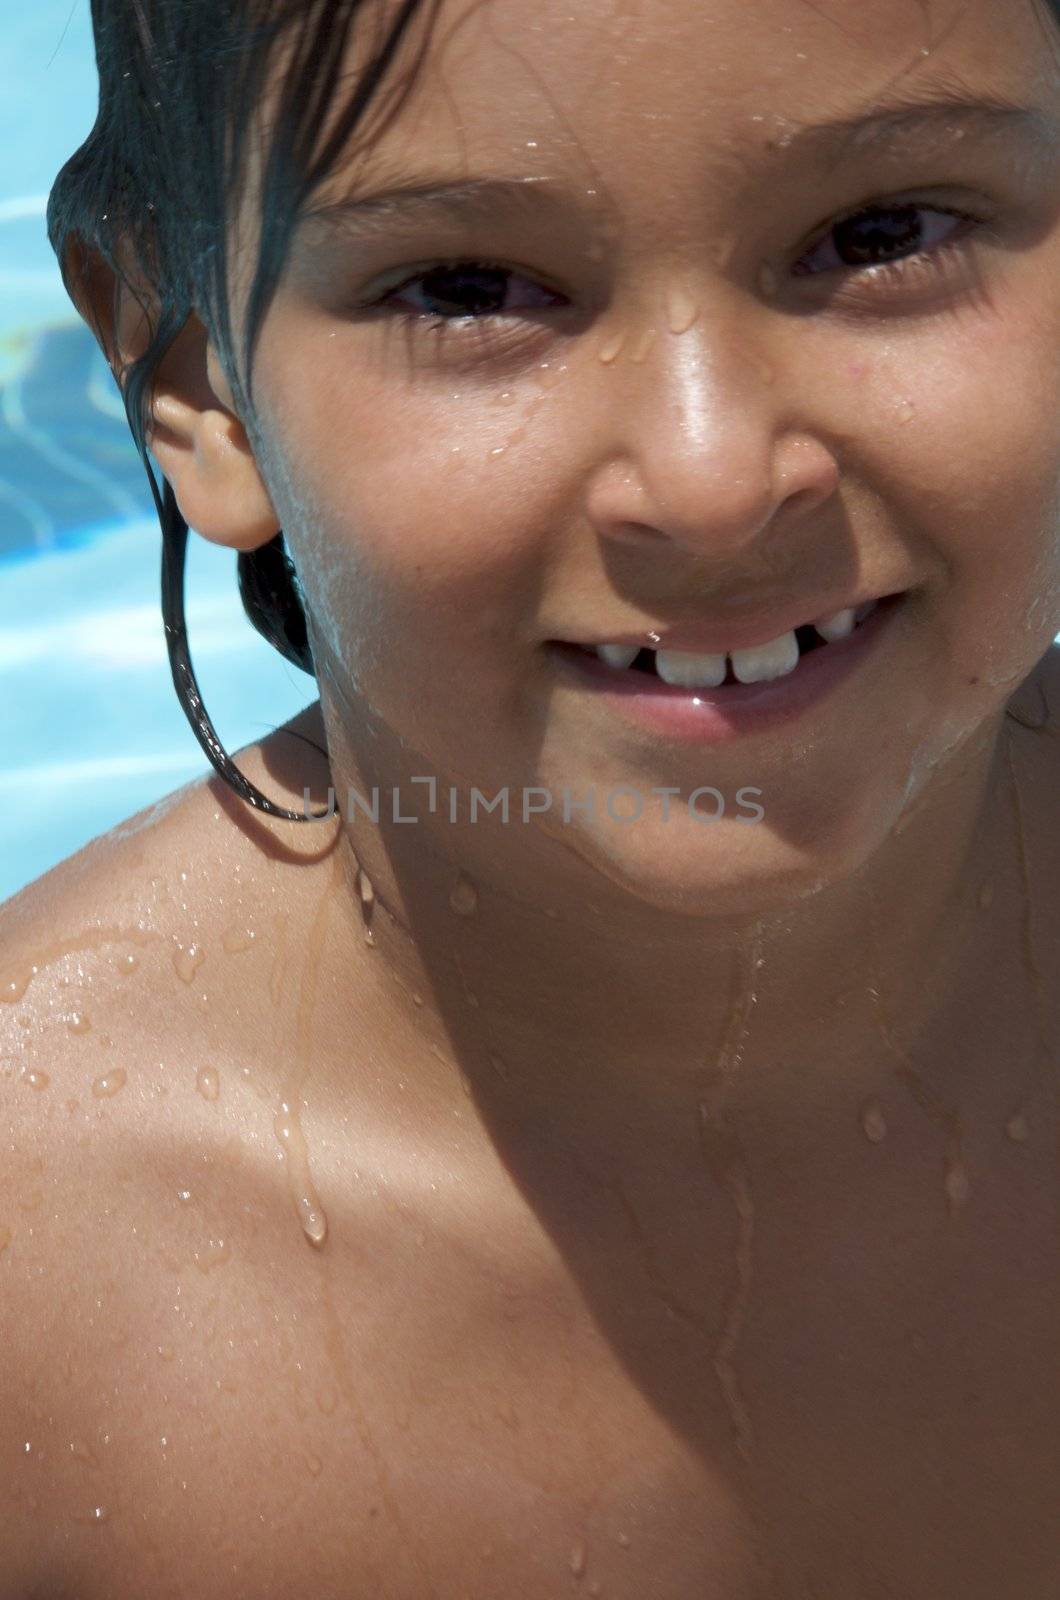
(818, 1367)
(645, 1211)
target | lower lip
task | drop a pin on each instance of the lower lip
(714, 716)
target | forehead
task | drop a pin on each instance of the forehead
(600, 79)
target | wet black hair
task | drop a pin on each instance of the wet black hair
(152, 191)
(151, 195)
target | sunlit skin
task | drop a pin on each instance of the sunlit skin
(455, 500)
(716, 1123)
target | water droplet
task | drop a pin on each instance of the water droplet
(724, 251)
(1017, 1129)
(13, 984)
(956, 1185)
(768, 282)
(873, 1123)
(31, 1201)
(311, 1215)
(77, 1022)
(208, 1083)
(681, 311)
(187, 959)
(35, 1078)
(314, 1463)
(547, 375)
(236, 939)
(184, 1196)
(327, 1399)
(165, 1352)
(643, 345)
(97, 1515)
(109, 1084)
(417, 998)
(577, 1559)
(612, 347)
(623, 1539)
(498, 1066)
(215, 1254)
(464, 897)
(905, 413)
(5, 1238)
(83, 1452)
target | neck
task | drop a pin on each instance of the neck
(533, 978)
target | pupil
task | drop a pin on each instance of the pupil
(868, 237)
(478, 299)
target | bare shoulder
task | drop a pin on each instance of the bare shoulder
(143, 1223)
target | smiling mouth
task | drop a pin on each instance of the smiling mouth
(760, 664)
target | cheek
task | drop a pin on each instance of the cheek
(429, 523)
(971, 457)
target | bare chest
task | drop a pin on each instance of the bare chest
(759, 1412)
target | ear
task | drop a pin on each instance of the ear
(194, 433)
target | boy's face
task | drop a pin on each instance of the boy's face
(697, 401)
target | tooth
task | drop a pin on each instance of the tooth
(837, 626)
(618, 655)
(687, 671)
(772, 660)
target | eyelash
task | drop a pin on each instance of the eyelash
(879, 277)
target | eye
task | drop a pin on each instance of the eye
(890, 241)
(468, 291)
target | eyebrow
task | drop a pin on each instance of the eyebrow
(931, 118)
(887, 128)
(444, 200)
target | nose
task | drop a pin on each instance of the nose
(707, 447)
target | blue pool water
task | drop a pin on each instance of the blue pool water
(90, 729)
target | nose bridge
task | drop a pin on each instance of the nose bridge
(698, 423)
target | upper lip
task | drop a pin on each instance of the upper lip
(722, 638)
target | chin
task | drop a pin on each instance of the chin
(737, 868)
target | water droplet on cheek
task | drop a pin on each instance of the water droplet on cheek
(768, 282)
(873, 1123)
(187, 959)
(681, 311)
(109, 1084)
(208, 1083)
(640, 350)
(611, 347)
(215, 1254)
(35, 1078)
(463, 898)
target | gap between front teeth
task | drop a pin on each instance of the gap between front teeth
(681, 669)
